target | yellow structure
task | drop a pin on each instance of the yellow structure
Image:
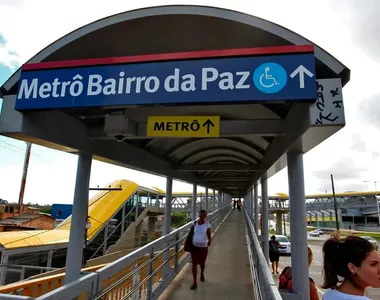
(101, 208)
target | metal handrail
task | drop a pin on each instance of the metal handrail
(157, 263)
(113, 268)
(113, 231)
(263, 283)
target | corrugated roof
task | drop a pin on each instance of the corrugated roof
(20, 219)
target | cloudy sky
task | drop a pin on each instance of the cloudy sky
(345, 28)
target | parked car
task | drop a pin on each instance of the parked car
(314, 233)
(320, 231)
(372, 240)
(285, 245)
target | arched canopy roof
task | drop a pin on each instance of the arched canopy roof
(140, 37)
(181, 28)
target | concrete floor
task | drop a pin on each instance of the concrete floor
(227, 271)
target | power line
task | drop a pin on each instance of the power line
(22, 152)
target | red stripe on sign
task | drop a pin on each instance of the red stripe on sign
(168, 57)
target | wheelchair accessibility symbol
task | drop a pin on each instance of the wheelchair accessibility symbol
(270, 78)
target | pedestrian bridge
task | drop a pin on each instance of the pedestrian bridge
(235, 269)
(259, 127)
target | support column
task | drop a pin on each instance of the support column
(206, 200)
(78, 219)
(265, 215)
(49, 258)
(168, 205)
(279, 223)
(251, 203)
(256, 206)
(331, 221)
(168, 221)
(219, 199)
(137, 205)
(194, 203)
(298, 231)
(157, 201)
(213, 200)
(123, 219)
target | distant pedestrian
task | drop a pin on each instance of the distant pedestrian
(350, 266)
(274, 253)
(239, 204)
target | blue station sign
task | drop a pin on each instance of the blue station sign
(228, 76)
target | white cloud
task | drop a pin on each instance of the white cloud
(29, 26)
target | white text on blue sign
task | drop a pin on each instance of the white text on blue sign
(287, 77)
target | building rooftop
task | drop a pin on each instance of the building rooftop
(20, 219)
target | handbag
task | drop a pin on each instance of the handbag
(189, 240)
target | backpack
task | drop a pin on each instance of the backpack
(273, 247)
(284, 281)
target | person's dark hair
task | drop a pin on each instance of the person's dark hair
(338, 254)
(203, 212)
(273, 237)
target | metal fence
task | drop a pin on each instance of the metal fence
(263, 284)
(143, 274)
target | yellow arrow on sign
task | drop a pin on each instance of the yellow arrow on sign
(183, 126)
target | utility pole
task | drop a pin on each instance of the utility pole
(24, 173)
(335, 205)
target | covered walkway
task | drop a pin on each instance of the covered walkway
(243, 124)
(227, 270)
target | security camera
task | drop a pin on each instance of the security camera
(119, 138)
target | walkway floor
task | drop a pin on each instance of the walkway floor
(227, 273)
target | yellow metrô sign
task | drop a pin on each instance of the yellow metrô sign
(183, 126)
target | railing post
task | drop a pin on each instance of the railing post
(176, 257)
(105, 238)
(22, 276)
(3, 268)
(49, 258)
(122, 220)
(136, 280)
(150, 280)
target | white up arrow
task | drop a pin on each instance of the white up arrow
(301, 70)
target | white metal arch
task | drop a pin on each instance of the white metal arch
(221, 13)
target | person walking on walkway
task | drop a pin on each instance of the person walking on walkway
(286, 282)
(274, 253)
(201, 242)
(350, 266)
(239, 204)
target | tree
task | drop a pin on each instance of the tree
(179, 219)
